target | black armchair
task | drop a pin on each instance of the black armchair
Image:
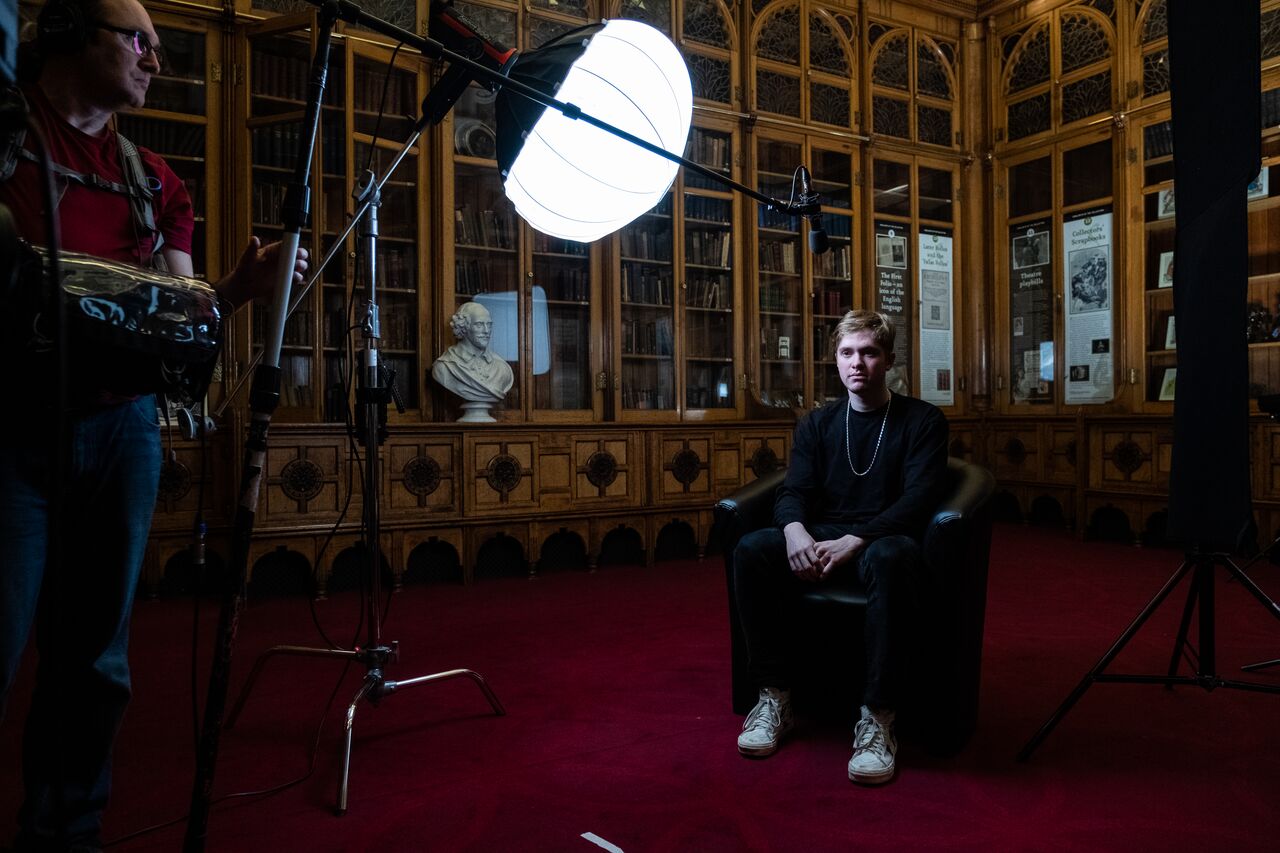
(941, 707)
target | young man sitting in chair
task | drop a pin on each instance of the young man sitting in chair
(863, 476)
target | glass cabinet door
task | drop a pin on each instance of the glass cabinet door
(560, 308)
(486, 260)
(646, 297)
(1158, 223)
(832, 286)
(779, 259)
(279, 60)
(1031, 326)
(382, 100)
(708, 285)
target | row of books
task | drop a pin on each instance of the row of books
(705, 292)
(472, 276)
(766, 218)
(279, 76)
(397, 266)
(398, 329)
(164, 137)
(774, 344)
(837, 262)
(563, 282)
(556, 246)
(777, 297)
(709, 149)
(835, 226)
(778, 256)
(279, 145)
(487, 228)
(648, 243)
(830, 301)
(645, 284)
(710, 248)
(295, 381)
(367, 91)
(298, 329)
(653, 337)
(708, 209)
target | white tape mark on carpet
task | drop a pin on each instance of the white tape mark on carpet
(600, 842)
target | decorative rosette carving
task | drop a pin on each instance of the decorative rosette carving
(1128, 456)
(602, 469)
(763, 461)
(421, 476)
(503, 472)
(685, 466)
(301, 479)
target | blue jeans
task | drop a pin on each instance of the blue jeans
(80, 610)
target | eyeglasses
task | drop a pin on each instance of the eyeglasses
(140, 42)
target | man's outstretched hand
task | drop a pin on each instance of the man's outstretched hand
(255, 273)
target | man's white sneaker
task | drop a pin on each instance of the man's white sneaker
(768, 721)
(874, 748)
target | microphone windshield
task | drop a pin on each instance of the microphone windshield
(818, 242)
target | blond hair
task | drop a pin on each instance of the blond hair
(862, 320)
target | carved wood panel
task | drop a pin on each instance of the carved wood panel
(305, 481)
(501, 472)
(420, 476)
(681, 466)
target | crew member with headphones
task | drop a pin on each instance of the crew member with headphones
(90, 59)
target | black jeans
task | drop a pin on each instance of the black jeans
(766, 589)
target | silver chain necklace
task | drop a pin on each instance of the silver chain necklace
(849, 455)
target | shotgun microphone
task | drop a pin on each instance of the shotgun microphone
(817, 234)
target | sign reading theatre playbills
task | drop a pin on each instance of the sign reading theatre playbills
(1087, 288)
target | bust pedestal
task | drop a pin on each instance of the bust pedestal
(476, 413)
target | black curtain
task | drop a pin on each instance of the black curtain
(1216, 86)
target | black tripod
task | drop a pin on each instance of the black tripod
(375, 389)
(1200, 597)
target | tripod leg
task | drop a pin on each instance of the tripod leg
(1267, 602)
(1185, 626)
(1104, 662)
(370, 683)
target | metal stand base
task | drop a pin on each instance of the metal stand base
(372, 689)
(1200, 595)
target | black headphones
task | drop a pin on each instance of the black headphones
(63, 26)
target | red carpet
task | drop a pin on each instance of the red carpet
(616, 688)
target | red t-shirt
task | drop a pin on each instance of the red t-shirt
(96, 221)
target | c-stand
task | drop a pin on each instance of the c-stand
(264, 396)
(375, 389)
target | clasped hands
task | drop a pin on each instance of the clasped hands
(814, 561)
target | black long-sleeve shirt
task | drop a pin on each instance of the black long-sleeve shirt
(899, 492)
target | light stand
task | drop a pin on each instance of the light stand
(264, 393)
(372, 396)
(1200, 566)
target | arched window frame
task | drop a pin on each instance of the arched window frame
(802, 71)
(912, 96)
(1058, 80)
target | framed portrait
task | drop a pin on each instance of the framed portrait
(1164, 204)
(1164, 278)
(1168, 383)
(1170, 334)
(1258, 187)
